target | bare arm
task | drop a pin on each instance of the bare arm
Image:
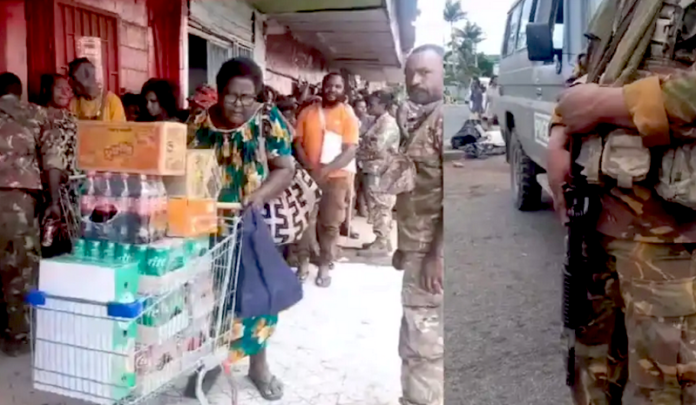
(301, 155)
(282, 171)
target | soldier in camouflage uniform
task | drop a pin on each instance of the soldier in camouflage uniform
(644, 253)
(376, 147)
(27, 146)
(419, 221)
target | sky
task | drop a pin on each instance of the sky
(490, 15)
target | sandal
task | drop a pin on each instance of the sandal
(271, 390)
(302, 276)
(323, 282)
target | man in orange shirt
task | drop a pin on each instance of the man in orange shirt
(319, 122)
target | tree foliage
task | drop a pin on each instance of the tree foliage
(462, 61)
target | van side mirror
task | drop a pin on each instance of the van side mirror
(540, 42)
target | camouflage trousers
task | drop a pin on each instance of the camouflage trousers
(600, 346)
(20, 252)
(380, 208)
(657, 284)
(421, 339)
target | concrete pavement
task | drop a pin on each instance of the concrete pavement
(338, 346)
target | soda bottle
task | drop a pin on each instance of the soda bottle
(87, 206)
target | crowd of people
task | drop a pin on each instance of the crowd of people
(38, 159)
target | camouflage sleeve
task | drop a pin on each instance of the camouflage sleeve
(679, 98)
(50, 144)
(438, 135)
(653, 107)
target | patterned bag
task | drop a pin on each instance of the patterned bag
(287, 216)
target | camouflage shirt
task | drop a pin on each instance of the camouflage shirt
(380, 141)
(420, 211)
(661, 108)
(28, 145)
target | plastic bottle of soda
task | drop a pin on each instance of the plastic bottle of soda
(87, 205)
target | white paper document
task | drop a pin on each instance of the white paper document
(331, 148)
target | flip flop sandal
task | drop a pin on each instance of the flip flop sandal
(302, 276)
(323, 282)
(264, 388)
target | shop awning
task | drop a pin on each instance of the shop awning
(363, 36)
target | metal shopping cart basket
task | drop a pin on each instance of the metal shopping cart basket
(129, 353)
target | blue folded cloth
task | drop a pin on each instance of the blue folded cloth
(266, 284)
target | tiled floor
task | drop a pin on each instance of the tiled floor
(336, 347)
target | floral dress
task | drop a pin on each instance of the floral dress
(241, 158)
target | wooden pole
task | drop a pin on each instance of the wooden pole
(351, 203)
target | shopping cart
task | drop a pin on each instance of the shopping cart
(130, 353)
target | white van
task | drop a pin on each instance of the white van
(531, 77)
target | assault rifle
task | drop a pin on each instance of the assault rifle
(582, 207)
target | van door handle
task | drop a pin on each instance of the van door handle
(539, 92)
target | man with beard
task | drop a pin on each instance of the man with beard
(419, 218)
(318, 127)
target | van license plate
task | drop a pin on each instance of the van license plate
(541, 128)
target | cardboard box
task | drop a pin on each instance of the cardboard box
(191, 217)
(155, 148)
(203, 178)
(113, 282)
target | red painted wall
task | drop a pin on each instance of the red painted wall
(136, 50)
(13, 39)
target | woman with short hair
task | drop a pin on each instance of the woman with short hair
(235, 127)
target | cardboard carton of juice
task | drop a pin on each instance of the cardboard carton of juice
(152, 148)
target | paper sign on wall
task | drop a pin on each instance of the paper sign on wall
(91, 48)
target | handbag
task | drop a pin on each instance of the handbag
(288, 215)
(266, 285)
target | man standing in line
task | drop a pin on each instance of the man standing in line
(419, 220)
(320, 127)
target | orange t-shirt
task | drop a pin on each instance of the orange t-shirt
(309, 132)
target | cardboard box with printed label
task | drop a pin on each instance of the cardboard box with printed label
(155, 148)
(190, 217)
(203, 178)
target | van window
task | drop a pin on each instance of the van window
(528, 10)
(558, 27)
(513, 29)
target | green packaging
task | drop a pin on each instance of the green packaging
(124, 253)
(165, 256)
(139, 255)
(196, 247)
(79, 249)
(92, 250)
(108, 252)
(159, 311)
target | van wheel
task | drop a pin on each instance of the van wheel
(526, 191)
